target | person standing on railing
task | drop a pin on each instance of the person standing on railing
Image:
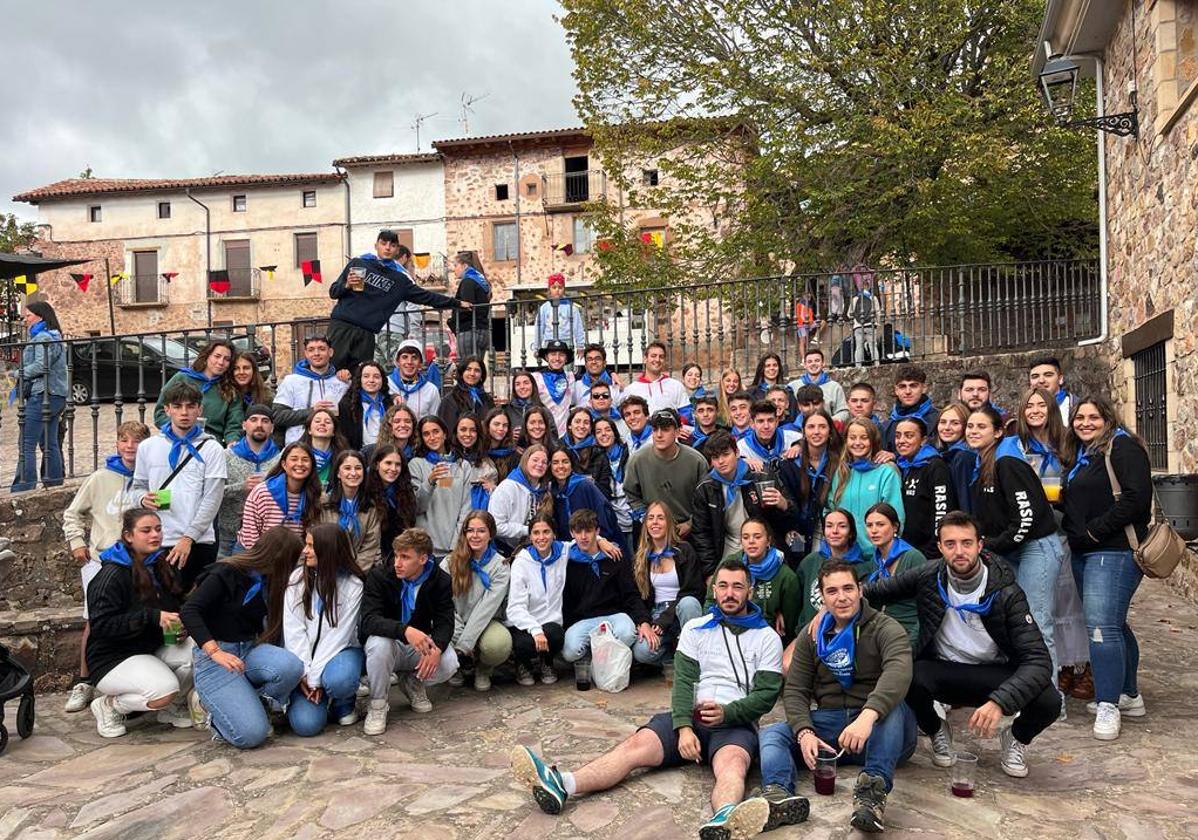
(42, 382)
(472, 326)
(312, 384)
(181, 474)
(370, 288)
(221, 403)
(560, 319)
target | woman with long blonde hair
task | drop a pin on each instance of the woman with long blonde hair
(729, 385)
(670, 581)
(479, 574)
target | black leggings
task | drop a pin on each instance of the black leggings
(201, 557)
(524, 648)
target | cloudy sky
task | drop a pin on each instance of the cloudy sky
(134, 89)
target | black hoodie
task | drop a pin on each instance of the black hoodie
(382, 606)
(928, 495)
(1015, 510)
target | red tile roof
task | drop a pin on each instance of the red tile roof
(398, 159)
(73, 187)
(579, 132)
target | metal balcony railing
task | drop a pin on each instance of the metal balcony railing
(244, 284)
(568, 190)
(142, 290)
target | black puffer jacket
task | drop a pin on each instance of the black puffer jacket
(707, 531)
(1009, 623)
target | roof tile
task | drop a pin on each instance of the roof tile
(72, 187)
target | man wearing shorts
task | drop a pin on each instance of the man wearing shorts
(727, 674)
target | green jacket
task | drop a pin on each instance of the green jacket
(781, 594)
(808, 573)
(904, 612)
(762, 696)
(882, 672)
(222, 419)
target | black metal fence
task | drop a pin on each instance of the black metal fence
(872, 316)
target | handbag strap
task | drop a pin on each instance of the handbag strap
(175, 472)
(1117, 492)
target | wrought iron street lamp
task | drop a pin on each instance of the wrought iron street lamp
(1058, 86)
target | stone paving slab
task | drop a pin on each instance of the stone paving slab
(443, 775)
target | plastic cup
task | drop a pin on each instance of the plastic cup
(1052, 487)
(582, 675)
(824, 774)
(356, 279)
(447, 479)
(703, 696)
(163, 498)
(170, 636)
(963, 775)
(763, 485)
(667, 671)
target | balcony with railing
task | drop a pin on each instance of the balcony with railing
(244, 284)
(141, 290)
(565, 191)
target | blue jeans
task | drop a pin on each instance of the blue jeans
(891, 743)
(40, 432)
(685, 609)
(232, 699)
(1037, 565)
(578, 635)
(340, 683)
(1107, 580)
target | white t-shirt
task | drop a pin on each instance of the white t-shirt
(666, 392)
(723, 679)
(962, 637)
(187, 488)
(300, 392)
(734, 517)
(531, 602)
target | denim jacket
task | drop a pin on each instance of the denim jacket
(44, 360)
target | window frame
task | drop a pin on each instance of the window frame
(590, 245)
(495, 226)
(245, 202)
(304, 195)
(95, 213)
(164, 205)
(390, 177)
(295, 243)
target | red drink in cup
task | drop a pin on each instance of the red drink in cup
(824, 774)
(962, 789)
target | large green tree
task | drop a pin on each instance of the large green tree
(885, 132)
(14, 233)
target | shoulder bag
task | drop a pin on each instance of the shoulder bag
(1162, 549)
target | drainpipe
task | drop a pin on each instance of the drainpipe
(516, 164)
(349, 225)
(1103, 287)
(207, 249)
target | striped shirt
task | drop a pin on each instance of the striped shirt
(261, 513)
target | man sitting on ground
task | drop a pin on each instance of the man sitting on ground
(715, 705)
(978, 646)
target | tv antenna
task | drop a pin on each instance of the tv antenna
(467, 109)
(420, 118)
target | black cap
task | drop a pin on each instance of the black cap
(556, 344)
(258, 408)
(665, 417)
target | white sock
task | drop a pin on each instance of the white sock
(569, 784)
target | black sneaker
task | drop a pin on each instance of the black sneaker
(785, 807)
(869, 803)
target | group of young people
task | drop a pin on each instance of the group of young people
(367, 533)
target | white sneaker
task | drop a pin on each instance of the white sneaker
(482, 679)
(200, 719)
(376, 718)
(109, 722)
(524, 676)
(413, 686)
(363, 688)
(1012, 762)
(348, 719)
(1128, 706)
(79, 698)
(1107, 724)
(177, 714)
(943, 754)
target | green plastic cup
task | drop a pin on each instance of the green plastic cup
(163, 498)
(170, 636)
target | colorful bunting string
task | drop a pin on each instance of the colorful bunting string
(118, 277)
(82, 280)
(269, 270)
(218, 281)
(565, 249)
(421, 260)
(311, 270)
(168, 276)
(25, 284)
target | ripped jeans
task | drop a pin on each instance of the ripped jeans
(1107, 581)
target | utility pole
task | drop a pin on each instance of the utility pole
(420, 118)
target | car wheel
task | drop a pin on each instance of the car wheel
(80, 393)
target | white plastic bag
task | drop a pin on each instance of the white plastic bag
(611, 660)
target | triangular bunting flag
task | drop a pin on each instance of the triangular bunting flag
(269, 270)
(218, 281)
(118, 277)
(421, 260)
(81, 280)
(25, 284)
(566, 249)
(311, 270)
(168, 276)
(603, 244)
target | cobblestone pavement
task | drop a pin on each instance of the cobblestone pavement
(444, 774)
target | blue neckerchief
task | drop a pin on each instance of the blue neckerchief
(980, 608)
(391, 494)
(765, 569)
(477, 566)
(347, 515)
(699, 437)
(896, 549)
(555, 384)
(372, 405)
(640, 437)
(795, 426)
(740, 434)
(589, 380)
(438, 458)
(500, 451)
(925, 454)
(853, 555)
(861, 465)
(586, 443)
(323, 456)
(615, 454)
(1062, 395)
(807, 380)
(471, 273)
(202, 380)
(838, 653)
(555, 554)
(1083, 456)
(407, 592)
(577, 555)
(42, 327)
(390, 264)
(655, 557)
(403, 387)
(563, 497)
(753, 620)
(699, 392)
(818, 473)
(997, 410)
(611, 415)
(243, 451)
(475, 394)
(522, 403)
(178, 444)
(118, 553)
(304, 369)
(114, 463)
(1013, 447)
(247, 400)
(772, 451)
(920, 409)
(731, 484)
(480, 497)
(255, 588)
(517, 475)
(277, 487)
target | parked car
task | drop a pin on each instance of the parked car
(140, 365)
(242, 343)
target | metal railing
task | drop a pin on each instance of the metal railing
(141, 289)
(244, 284)
(916, 314)
(569, 189)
